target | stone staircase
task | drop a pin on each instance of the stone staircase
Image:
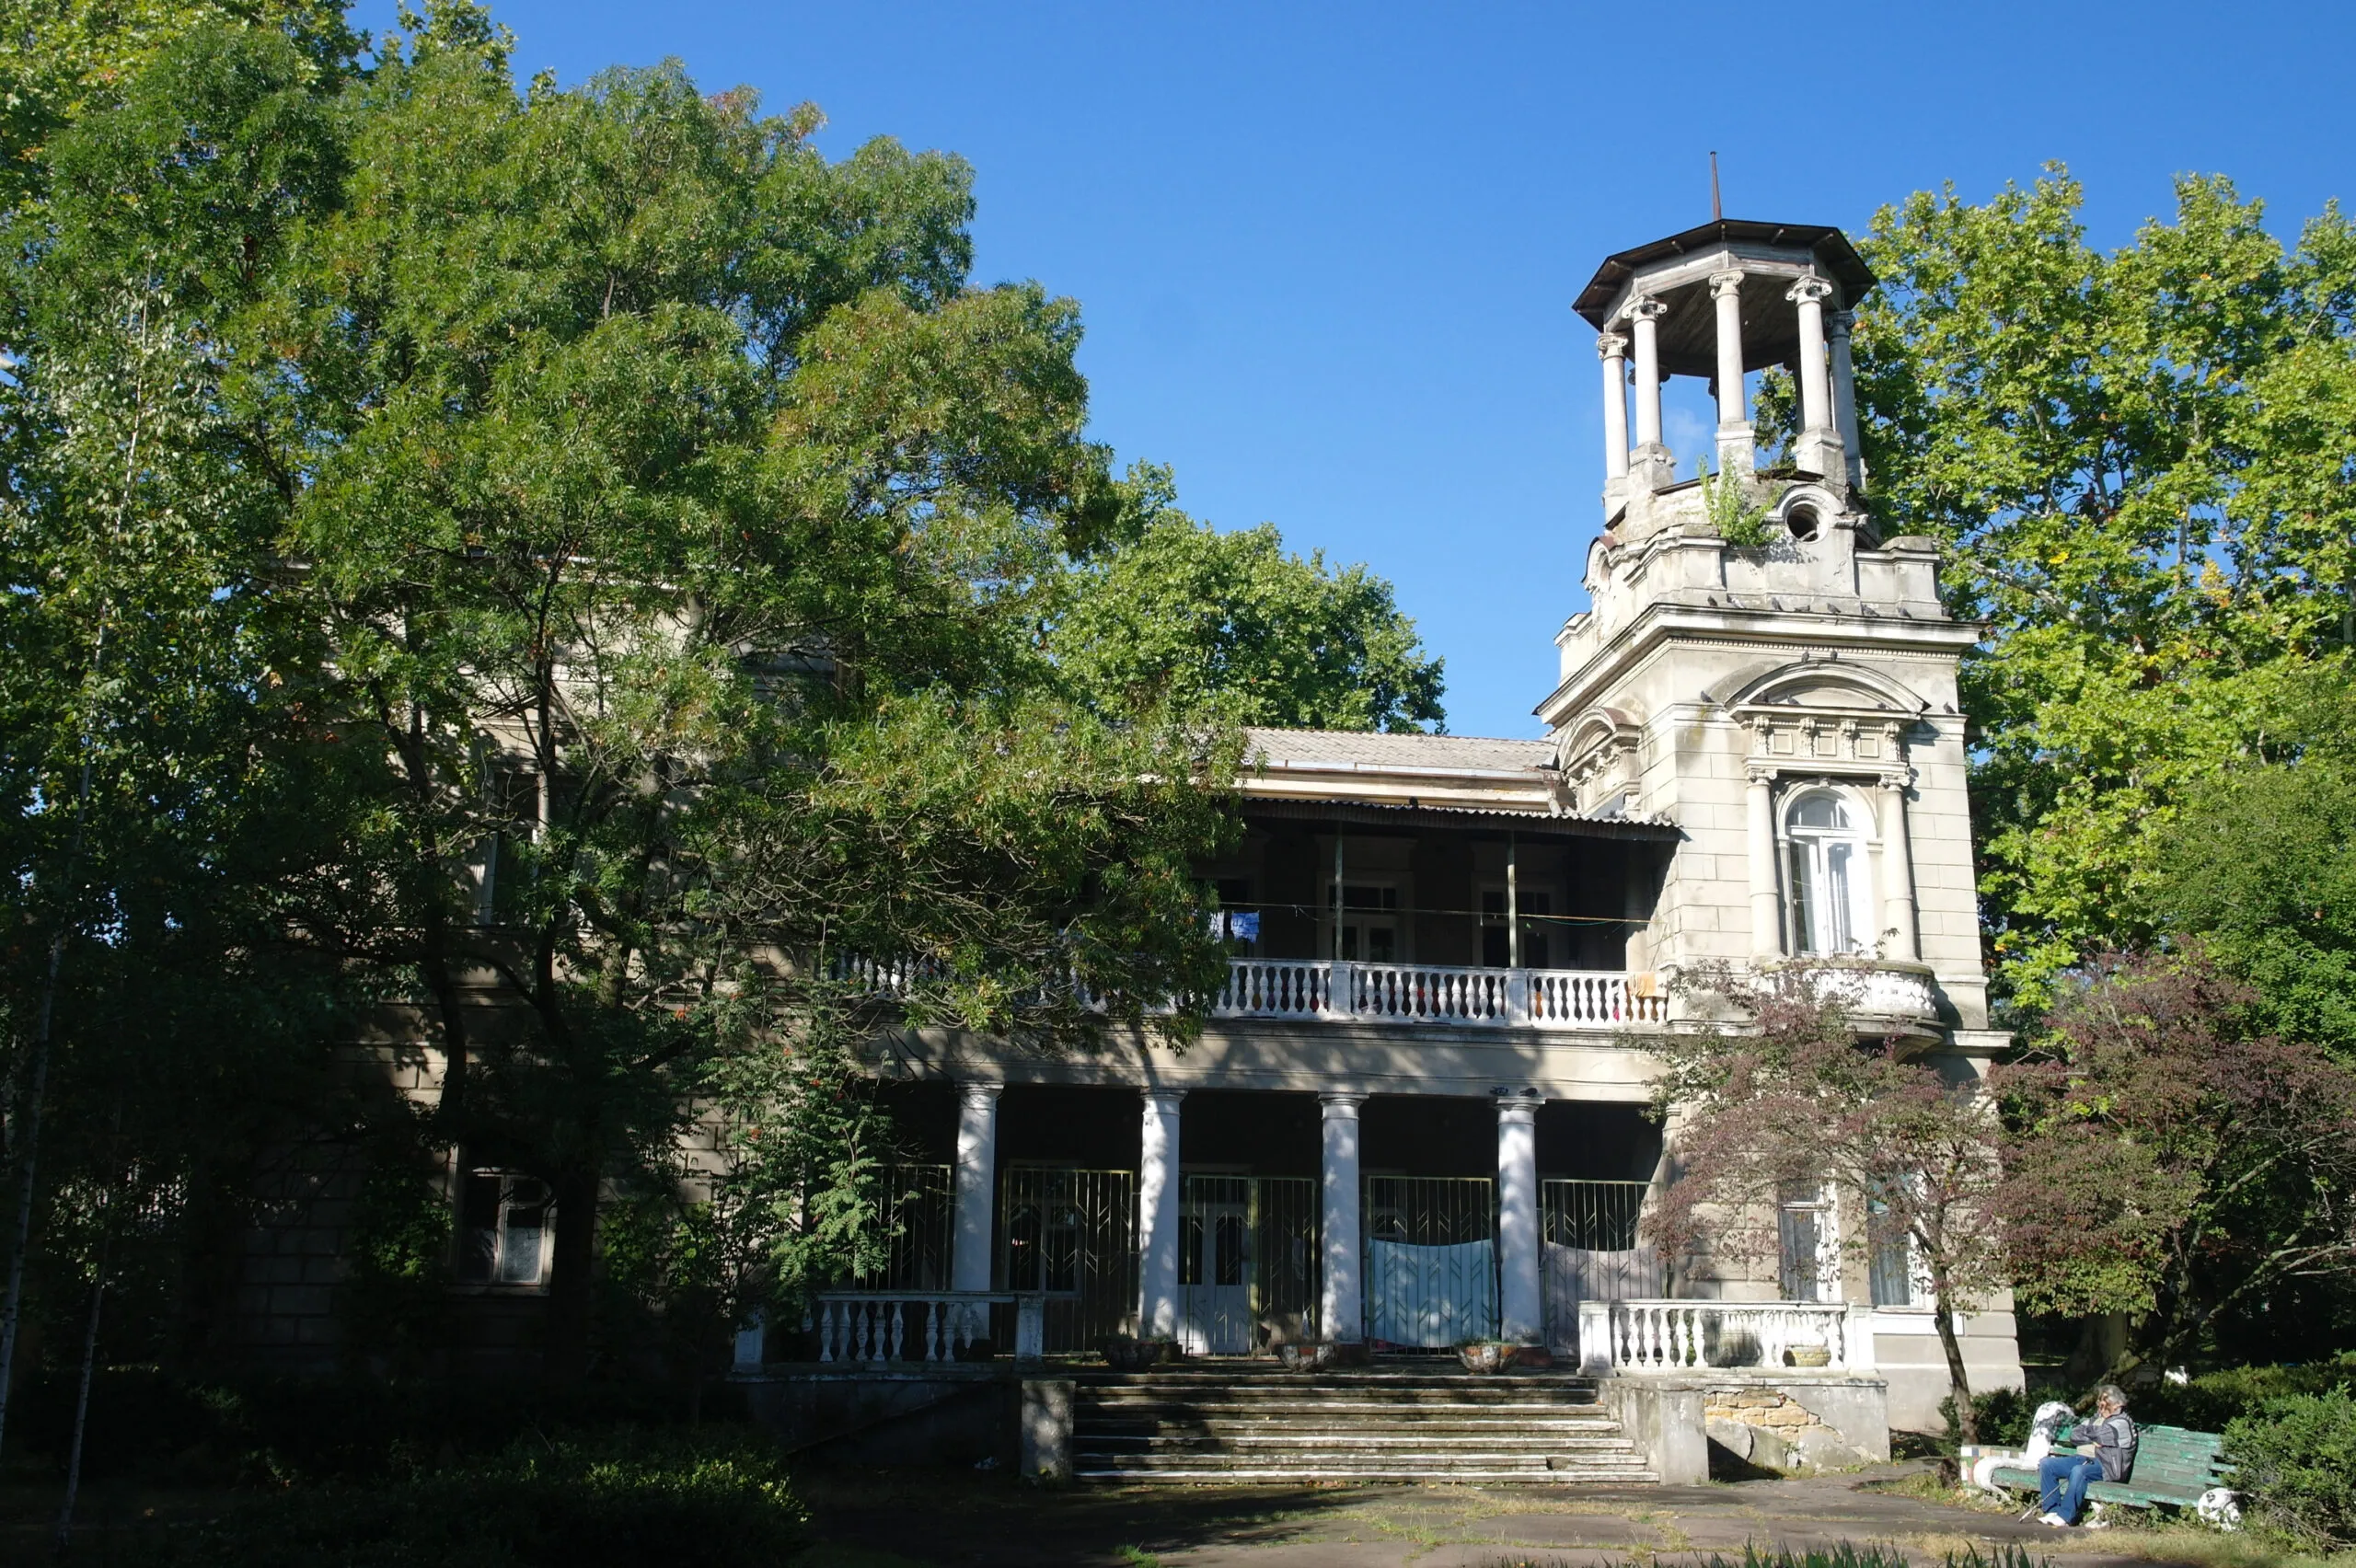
(1254, 1425)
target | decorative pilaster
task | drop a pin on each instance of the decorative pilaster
(1820, 444)
(1341, 1306)
(1521, 1297)
(969, 1253)
(1650, 464)
(1735, 444)
(1766, 904)
(1158, 1200)
(1898, 917)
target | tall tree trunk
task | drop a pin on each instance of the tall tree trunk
(28, 1167)
(82, 1398)
(1966, 1421)
(565, 1359)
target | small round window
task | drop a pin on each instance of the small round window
(1803, 522)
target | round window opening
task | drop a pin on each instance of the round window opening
(1803, 523)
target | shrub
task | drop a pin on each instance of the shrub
(2002, 1417)
(2213, 1399)
(2295, 1461)
(626, 1502)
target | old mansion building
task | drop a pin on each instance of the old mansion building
(1419, 1111)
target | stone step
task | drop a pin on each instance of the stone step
(1182, 1423)
(1292, 1474)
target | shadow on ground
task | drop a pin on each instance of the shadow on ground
(909, 1519)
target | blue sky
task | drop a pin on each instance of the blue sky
(1326, 253)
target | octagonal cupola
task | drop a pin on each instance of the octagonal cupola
(1716, 302)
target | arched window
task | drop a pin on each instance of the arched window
(1828, 876)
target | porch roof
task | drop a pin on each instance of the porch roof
(1485, 822)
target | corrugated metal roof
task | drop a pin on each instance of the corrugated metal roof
(1373, 814)
(1312, 749)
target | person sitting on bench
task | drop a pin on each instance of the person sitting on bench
(2062, 1478)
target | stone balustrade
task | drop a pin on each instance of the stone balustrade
(1638, 1337)
(1341, 990)
(905, 1325)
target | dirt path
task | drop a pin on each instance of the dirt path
(953, 1522)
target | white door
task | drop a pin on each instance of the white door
(1215, 1266)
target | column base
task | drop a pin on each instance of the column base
(1820, 452)
(1737, 449)
(1650, 469)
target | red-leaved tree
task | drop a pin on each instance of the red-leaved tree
(1804, 1100)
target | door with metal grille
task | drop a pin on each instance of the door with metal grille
(1071, 1235)
(1430, 1260)
(1247, 1263)
(1593, 1251)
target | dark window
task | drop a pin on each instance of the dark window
(502, 1228)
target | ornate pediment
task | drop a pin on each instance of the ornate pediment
(1822, 712)
(1596, 758)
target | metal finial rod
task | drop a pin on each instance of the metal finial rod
(1717, 212)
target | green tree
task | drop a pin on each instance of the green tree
(1180, 617)
(164, 792)
(679, 516)
(2141, 463)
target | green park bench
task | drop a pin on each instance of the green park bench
(2173, 1468)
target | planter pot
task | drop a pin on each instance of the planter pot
(1809, 1355)
(1313, 1356)
(1125, 1355)
(1486, 1358)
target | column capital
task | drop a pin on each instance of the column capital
(1896, 780)
(1514, 1107)
(1610, 346)
(1645, 308)
(1341, 1106)
(1164, 1098)
(1724, 283)
(976, 1092)
(1838, 323)
(1810, 291)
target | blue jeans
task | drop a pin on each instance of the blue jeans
(2062, 1482)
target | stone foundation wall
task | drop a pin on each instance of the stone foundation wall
(1832, 1423)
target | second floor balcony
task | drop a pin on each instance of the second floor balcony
(1341, 991)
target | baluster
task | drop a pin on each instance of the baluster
(825, 1331)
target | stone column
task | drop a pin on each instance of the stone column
(1820, 444)
(1651, 464)
(1766, 904)
(1521, 1311)
(1734, 407)
(1844, 394)
(1159, 1191)
(1341, 1306)
(1612, 349)
(969, 1253)
(1897, 869)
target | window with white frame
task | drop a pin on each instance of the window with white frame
(503, 1231)
(1830, 907)
(1891, 1254)
(1804, 1226)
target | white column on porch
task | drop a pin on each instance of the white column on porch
(1521, 1301)
(1734, 407)
(1897, 869)
(1158, 1198)
(1341, 1309)
(1838, 325)
(1766, 907)
(969, 1255)
(1612, 349)
(1820, 448)
(1651, 459)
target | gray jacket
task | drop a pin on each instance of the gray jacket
(2114, 1437)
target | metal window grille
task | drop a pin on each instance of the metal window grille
(1430, 1260)
(917, 1205)
(1073, 1235)
(1594, 1251)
